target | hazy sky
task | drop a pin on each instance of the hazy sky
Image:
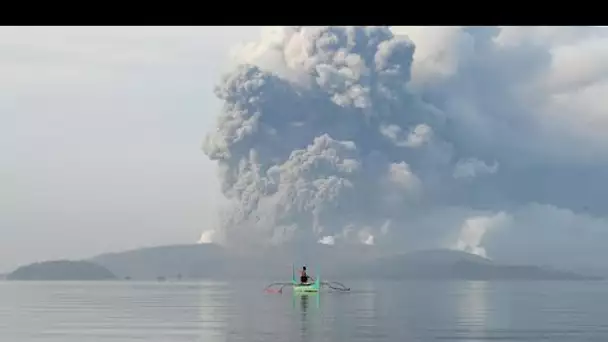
(101, 131)
(487, 139)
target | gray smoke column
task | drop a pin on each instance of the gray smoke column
(326, 140)
(486, 139)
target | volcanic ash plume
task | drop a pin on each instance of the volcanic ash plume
(342, 135)
(324, 141)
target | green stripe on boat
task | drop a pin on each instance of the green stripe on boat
(306, 288)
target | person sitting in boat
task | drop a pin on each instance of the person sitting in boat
(303, 276)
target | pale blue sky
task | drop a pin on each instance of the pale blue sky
(101, 132)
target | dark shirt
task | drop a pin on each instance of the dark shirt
(303, 277)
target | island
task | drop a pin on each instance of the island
(209, 261)
(62, 270)
(458, 265)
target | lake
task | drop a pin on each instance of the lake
(372, 311)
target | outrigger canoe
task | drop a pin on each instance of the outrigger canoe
(309, 288)
(298, 287)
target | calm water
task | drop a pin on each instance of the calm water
(374, 311)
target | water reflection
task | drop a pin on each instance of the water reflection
(113, 311)
(472, 309)
(372, 312)
(367, 317)
(303, 303)
(215, 303)
(304, 324)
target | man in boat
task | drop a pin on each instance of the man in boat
(304, 276)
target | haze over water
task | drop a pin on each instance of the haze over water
(373, 311)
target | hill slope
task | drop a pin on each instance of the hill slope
(61, 270)
(212, 261)
(190, 261)
(449, 264)
(198, 261)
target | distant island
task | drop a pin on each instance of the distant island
(198, 261)
(209, 261)
(62, 270)
(167, 262)
(457, 265)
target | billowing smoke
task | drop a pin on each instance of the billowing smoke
(473, 230)
(207, 237)
(324, 148)
(407, 137)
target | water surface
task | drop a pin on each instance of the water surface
(372, 311)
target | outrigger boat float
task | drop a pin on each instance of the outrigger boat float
(306, 288)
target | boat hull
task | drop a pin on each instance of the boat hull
(308, 288)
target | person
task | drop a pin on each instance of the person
(304, 276)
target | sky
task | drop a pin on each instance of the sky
(490, 140)
(101, 131)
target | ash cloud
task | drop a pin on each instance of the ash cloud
(412, 138)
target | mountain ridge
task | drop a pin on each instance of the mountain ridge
(211, 261)
(65, 270)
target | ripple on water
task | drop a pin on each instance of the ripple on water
(374, 311)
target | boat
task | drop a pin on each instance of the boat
(309, 288)
(313, 287)
(298, 287)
